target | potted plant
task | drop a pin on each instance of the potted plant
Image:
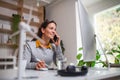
(62, 46)
(15, 22)
(16, 18)
(81, 62)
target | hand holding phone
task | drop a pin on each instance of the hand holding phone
(55, 38)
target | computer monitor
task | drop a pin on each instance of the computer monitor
(87, 34)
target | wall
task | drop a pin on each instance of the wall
(63, 13)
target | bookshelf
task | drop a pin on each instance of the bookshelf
(20, 9)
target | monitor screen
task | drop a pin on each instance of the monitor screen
(87, 34)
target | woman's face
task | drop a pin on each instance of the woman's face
(49, 31)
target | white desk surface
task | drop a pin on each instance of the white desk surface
(92, 74)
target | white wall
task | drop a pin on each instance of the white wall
(64, 15)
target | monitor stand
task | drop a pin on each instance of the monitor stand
(99, 42)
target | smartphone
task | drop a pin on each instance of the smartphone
(55, 38)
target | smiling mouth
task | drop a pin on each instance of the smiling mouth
(52, 36)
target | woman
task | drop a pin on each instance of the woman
(38, 54)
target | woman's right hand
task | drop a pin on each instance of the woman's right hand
(40, 64)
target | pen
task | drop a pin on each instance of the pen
(40, 60)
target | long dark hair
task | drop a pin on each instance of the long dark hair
(43, 26)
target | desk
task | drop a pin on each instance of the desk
(92, 74)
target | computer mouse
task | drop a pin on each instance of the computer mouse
(43, 69)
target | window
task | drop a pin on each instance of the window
(108, 30)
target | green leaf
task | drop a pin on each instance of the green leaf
(81, 63)
(118, 9)
(97, 55)
(110, 53)
(80, 49)
(103, 63)
(116, 61)
(79, 56)
(118, 56)
(115, 51)
(90, 64)
(93, 64)
(118, 46)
